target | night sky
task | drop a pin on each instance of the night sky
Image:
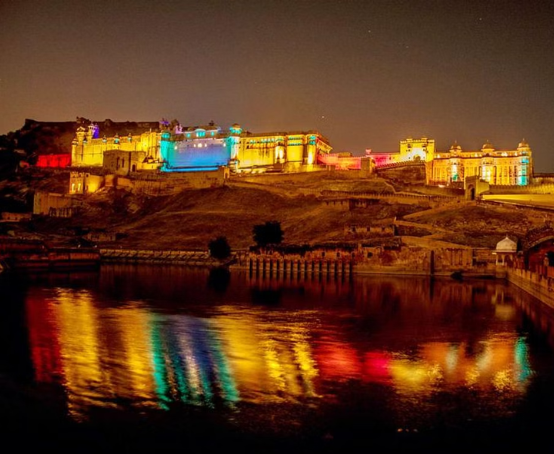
(366, 74)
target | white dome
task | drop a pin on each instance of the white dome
(506, 245)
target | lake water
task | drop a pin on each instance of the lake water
(149, 358)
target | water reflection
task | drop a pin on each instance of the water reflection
(140, 338)
(219, 279)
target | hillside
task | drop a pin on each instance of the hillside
(300, 202)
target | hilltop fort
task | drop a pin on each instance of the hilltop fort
(161, 185)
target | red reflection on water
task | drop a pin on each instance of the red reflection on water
(377, 367)
(43, 339)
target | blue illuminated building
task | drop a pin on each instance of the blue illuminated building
(197, 148)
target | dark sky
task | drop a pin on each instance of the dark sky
(366, 74)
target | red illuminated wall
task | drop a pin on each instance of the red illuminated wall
(54, 160)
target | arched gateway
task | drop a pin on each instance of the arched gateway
(538, 248)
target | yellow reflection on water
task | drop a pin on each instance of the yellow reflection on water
(271, 359)
(105, 353)
(79, 349)
(132, 379)
(495, 363)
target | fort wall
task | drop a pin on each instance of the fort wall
(539, 285)
(52, 204)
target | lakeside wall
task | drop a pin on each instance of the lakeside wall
(541, 286)
(336, 260)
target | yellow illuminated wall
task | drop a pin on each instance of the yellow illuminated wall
(410, 150)
(268, 149)
(416, 149)
(89, 151)
(247, 151)
(497, 167)
(84, 183)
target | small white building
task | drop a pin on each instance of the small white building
(506, 250)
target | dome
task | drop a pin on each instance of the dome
(523, 144)
(236, 129)
(506, 245)
(487, 146)
(455, 146)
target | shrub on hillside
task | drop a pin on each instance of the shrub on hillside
(219, 248)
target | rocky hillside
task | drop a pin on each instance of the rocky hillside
(300, 202)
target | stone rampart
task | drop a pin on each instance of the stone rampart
(541, 286)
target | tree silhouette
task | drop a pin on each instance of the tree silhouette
(268, 233)
(219, 248)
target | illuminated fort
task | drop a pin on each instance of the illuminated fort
(497, 167)
(175, 148)
(450, 168)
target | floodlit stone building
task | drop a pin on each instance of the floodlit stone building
(88, 150)
(174, 148)
(195, 148)
(497, 167)
(410, 150)
(512, 167)
(287, 151)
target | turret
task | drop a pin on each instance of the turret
(93, 131)
(523, 146)
(80, 134)
(234, 142)
(164, 124)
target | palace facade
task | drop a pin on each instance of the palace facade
(416, 150)
(175, 148)
(128, 153)
(286, 151)
(512, 167)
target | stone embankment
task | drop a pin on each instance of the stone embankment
(541, 286)
(176, 257)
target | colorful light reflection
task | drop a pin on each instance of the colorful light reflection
(116, 357)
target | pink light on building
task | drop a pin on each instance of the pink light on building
(341, 161)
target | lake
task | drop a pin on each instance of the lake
(138, 358)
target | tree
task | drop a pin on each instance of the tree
(219, 248)
(268, 233)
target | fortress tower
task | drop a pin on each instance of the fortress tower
(417, 149)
